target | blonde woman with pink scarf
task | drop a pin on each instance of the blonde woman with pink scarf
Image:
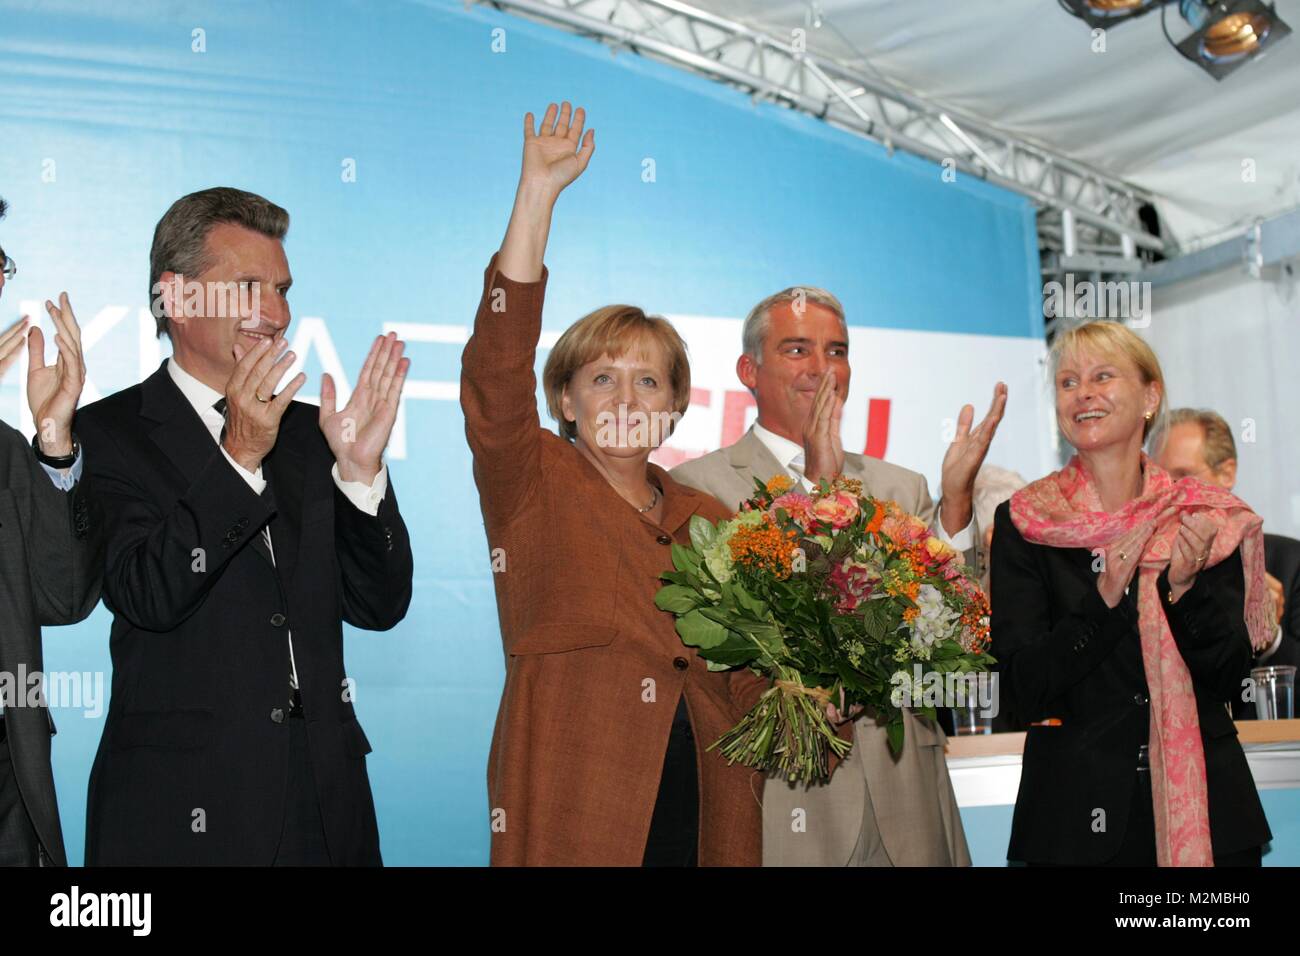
(1125, 609)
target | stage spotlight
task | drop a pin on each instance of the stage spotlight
(1227, 33)
(1105, 13)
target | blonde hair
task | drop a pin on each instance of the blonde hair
(1112, 340)
(754, 330)
(612, 330)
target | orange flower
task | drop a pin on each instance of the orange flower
(764, 548)
(779, 485)
(939, 550)
(876, 520)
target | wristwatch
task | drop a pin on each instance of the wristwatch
(61, 461)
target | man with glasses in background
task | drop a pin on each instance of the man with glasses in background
(50, 556)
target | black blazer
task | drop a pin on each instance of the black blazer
(51, 550)
(192, 764)
(1063, 653)
(1282, 559)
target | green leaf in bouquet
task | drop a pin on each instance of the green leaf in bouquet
(677, 598)
(841, 547)
(697, 630)
(946, 651)
(684, 578)
(722, 616)
(703, 533)
(764, 633)
(684, 559)
(875, 620)
(733, 651)
(747, 602)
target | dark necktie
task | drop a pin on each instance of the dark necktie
(263, 544)
(220, 406)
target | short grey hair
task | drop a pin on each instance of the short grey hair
(759, 318)
(181, 236)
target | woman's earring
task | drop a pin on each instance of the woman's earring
(1148, 416)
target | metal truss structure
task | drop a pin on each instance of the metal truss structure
(1088, 220)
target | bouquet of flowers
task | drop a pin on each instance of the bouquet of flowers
(834, 596)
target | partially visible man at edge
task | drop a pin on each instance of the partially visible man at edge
(51, 550)
(1198, 443)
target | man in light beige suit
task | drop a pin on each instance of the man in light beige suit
(876, 810)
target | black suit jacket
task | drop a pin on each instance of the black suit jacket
(192, 764)
(51, 548)
(1063, 653)
(1282, 559)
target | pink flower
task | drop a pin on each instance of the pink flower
(797, 506)
(904, 529)
(838, 509)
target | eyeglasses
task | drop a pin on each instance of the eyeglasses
(7, 265)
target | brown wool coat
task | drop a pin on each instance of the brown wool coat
(594, 670)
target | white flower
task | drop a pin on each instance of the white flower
(934, 622)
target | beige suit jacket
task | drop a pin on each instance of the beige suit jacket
(911, 796)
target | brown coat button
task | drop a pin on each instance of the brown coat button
(681, 663)
(664, 539)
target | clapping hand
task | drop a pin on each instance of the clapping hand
(962, 461)
(1122, 557)
(11, 343)
(253, 411)
(53, 390)
(1191, 549)
(358, 432)
(823, 448)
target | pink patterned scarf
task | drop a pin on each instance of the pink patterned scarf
(1063, 510)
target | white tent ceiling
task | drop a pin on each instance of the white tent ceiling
(1138, 110)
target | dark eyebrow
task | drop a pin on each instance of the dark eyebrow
(251, 277)
(803, 340)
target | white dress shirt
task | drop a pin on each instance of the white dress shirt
(202, 398)
(65, 479)
(790, 456)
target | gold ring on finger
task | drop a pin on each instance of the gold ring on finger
(261, 399)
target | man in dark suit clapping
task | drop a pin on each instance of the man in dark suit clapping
(243, 529)
(50, 555)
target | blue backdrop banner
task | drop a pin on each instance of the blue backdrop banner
(392, 133)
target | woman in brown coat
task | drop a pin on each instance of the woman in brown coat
(598, 755)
